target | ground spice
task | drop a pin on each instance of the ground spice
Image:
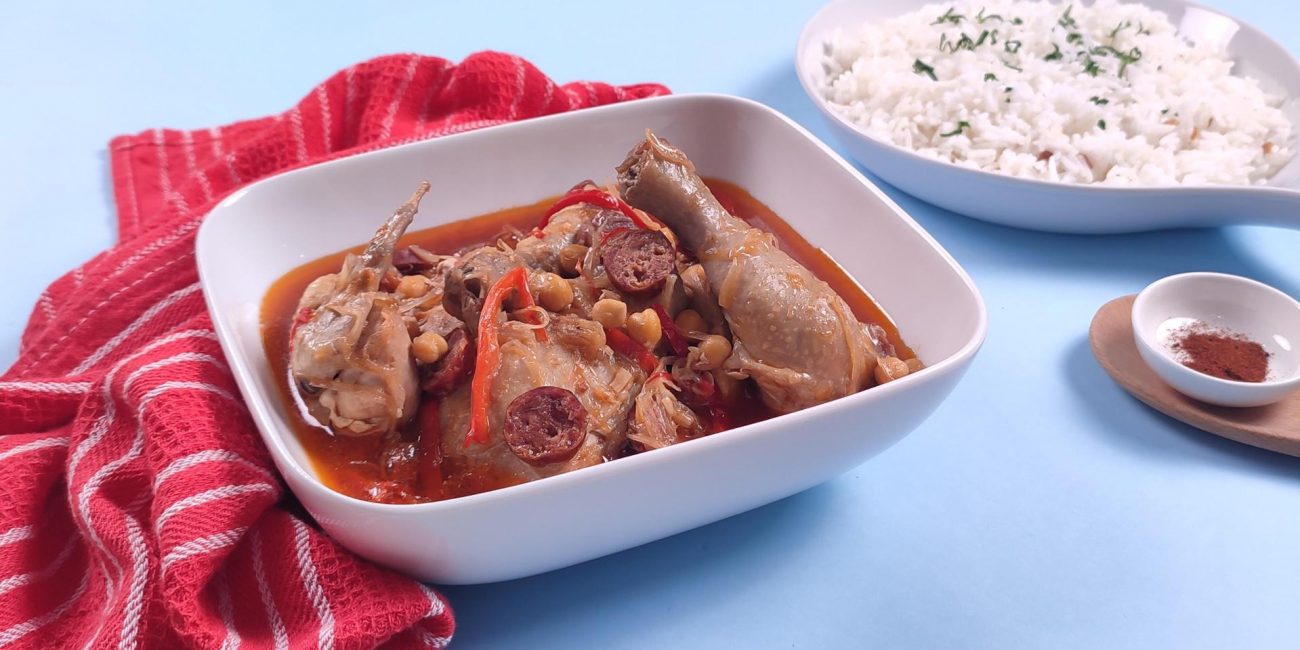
(1221, 353)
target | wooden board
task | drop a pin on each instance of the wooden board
(1275, 427)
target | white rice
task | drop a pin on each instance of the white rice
(1175, 115)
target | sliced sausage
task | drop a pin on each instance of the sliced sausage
(545, 425)
(453, 368)
(638, 261)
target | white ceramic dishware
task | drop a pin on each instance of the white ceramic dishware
(1228, 302)
(256, 235)
(1062, 207)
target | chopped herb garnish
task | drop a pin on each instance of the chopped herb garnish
(1118, 28)
(1075, 38)
(1164, 111)
(948, 17)
(1102, 124)
(989, 76)
(965, 42)
(1133, 55)
(1090, 67)
(1055, 55)
(981, 17)
(1017, 21)
(1012, 46)
(1007, 89)
(919, 67)
(1067, 21)
(1017, 69)
(960, 125)
(1100, 101)
(1142, 31)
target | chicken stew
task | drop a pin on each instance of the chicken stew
(546, 338)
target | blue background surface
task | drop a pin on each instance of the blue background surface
(1040, 507)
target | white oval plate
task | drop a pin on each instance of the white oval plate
(259, 233)
(1062, 207)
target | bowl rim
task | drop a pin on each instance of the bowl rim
(300, 477)
(807, 38)
(1143, 298)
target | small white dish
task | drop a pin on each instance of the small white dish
(263, 231)
(1062, 207)
(1229, 302)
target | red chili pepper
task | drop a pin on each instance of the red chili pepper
(624, 345)
(489, 349)
(676, 340)
(429, 421)
(599, 198)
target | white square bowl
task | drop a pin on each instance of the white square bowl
(261, 232)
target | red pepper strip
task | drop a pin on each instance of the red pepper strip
(429, 422)
(489, 350)
(676, 340)
(624, 345)
(599, 198)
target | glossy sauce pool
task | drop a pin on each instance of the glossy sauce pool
(353, 465)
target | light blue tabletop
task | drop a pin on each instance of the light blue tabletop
(1039, 507)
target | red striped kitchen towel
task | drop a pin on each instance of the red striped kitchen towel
(138, 506)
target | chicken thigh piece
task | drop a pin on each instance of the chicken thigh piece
(794, 336)
(350, 356)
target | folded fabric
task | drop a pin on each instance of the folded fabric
(139, 506)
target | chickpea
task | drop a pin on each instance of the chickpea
(690, 320)
(609, 312)
(413, 286)
(644, 328)
(913, 365)
(554, 292)
(714, 350)
(889, 369)
(571, 257)
(428, 348)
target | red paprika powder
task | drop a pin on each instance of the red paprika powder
(1221, 353)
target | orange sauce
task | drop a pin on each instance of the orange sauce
(353, 466)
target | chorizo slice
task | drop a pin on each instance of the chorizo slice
(545, 425)
(638, 261)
